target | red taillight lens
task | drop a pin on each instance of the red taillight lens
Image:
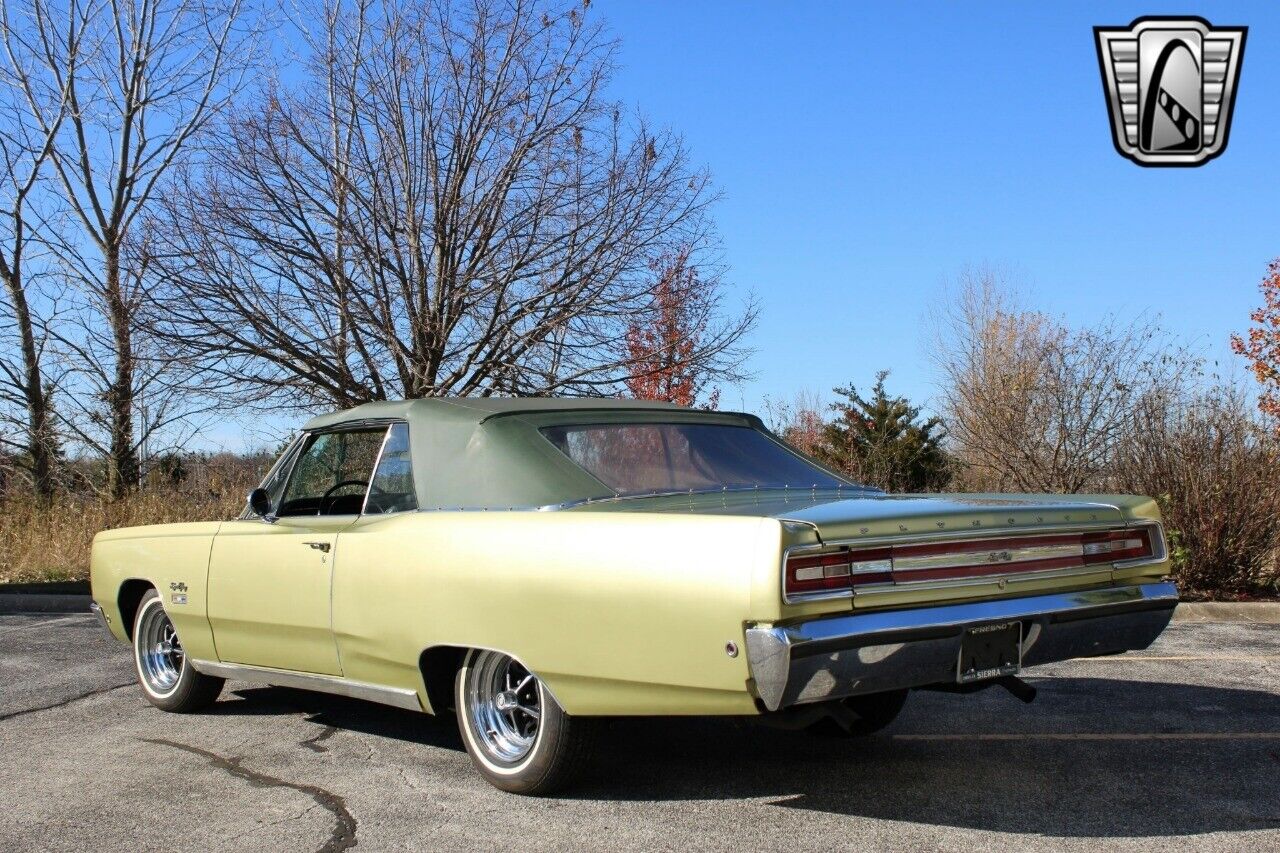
(1117, 545)
(840, 570)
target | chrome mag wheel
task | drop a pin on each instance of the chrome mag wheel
(160, 655)
(504, 703)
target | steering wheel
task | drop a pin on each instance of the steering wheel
(320, 510)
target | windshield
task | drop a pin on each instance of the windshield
(637, 459)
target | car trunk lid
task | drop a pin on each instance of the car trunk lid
(852, 519)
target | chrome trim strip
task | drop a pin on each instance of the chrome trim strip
(336, 685)
(774, 651)
(995, 557)
(1007, 532)
(382, 448)
(979, 580)
(799, 492)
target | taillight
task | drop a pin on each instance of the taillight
(1117, 545)
(840, 570)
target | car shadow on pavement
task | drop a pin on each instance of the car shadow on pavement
(1092, 758)
(1130, 775)
(343, 713)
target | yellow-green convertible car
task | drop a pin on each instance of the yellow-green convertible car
(535, 565)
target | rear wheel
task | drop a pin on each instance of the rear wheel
(518, 737)
(168, 680)
(858, 716)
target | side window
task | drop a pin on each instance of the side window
(332, 475)
(391, 489)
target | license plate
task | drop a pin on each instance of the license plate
(990, 651)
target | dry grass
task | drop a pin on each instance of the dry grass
(52, 543)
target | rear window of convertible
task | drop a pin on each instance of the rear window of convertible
(633, 459)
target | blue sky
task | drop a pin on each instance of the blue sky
(867, 153)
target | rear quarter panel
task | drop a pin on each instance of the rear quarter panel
(168, 557)
(617, 613)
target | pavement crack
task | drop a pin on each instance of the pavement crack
(313, 743)
(65, 702)
(344, 830)
(404, 777)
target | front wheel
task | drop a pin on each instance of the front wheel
(517, 735)
(168, 680)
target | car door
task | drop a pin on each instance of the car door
(270, 579)
(361, 630)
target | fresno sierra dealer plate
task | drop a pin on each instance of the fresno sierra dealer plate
(990, 651)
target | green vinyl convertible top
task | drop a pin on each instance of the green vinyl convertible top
(477, 409)
(489, 453)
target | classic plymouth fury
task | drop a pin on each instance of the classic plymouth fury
(534, 565)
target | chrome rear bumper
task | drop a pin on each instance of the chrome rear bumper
(97, 610)
(840, 656)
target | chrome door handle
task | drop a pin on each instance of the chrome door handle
(318, 546)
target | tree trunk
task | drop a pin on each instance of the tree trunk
(122, 463)
(39, 438)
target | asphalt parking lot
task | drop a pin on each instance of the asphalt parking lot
(1174, 747)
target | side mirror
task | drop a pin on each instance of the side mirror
(260, 502)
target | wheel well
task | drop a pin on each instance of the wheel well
(439, 665)
(130, 597)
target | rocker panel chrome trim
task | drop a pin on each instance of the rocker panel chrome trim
(394, 696)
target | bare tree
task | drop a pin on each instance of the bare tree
(33, 109)
(152, 76)
(445, 205)
(799, 420)
(1032, 405)
(1215, 470)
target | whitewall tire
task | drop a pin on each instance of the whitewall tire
(166, 676)
(518, 736)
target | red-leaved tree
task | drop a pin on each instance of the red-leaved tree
(1262, 346)
(664, 346)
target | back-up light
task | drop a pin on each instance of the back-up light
(1117, 545)
(842, 571)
